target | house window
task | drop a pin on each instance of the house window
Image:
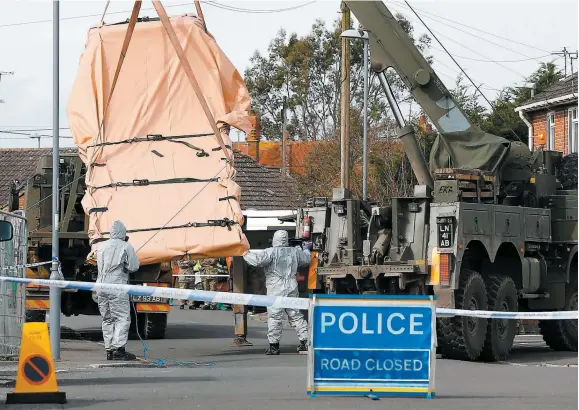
(573, 125)
(551, 131)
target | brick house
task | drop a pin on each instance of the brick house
(551, 116)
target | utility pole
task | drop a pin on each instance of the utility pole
(283, 139)
(345, 102)
(563, 53)
(37, 137)
(55, 295)
(573, 56)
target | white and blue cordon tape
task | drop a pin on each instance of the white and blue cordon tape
(258, 300)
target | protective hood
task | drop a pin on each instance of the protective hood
(468, 150)
(118, 231)
(280, 238)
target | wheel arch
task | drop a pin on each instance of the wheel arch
(507, 260)
(473, 257)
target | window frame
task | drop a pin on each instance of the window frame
(550, 130)
(573, 128)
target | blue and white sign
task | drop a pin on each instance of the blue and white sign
(372, 344)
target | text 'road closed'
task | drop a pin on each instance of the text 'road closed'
(376, 365)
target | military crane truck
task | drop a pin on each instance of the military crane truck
(489, 227)
(74, 248)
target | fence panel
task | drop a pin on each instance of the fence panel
(12, 295)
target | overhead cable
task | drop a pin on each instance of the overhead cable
(474, 28)
(208, 2)
(461, 69)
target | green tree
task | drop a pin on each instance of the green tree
(503, 120)
(469, 100)
(305, 72)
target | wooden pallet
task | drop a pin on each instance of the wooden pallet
(474, 185)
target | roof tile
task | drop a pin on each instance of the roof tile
(566, 86)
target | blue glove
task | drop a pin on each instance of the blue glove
(307, 246)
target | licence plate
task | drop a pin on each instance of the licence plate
(445, 233)
(148, 299)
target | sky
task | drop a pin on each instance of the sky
(498, 43)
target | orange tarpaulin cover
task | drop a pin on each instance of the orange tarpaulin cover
(184, 177)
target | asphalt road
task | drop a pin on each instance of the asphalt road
(534, 378)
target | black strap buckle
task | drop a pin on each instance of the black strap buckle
(140, 182)
(155, 137)
(224, 223)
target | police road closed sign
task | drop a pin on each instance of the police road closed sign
(372, 344)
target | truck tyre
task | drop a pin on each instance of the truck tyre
(568, 171)
(152, 325)
(462, 337)
(502, 296)
(35, 316)
(562, 334)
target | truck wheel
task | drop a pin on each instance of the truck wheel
(35, 316)
(462, 337)
(568, 171)
(152, 325)
(562, 334)
(502, 296)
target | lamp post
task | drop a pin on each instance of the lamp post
(363, 35)
(55, 295)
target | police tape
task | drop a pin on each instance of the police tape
(172, 293)
(28, 265)
(263, 300)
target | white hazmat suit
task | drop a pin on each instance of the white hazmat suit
(116, 258)
(280, 264)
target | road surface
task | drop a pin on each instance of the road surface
(534, 378)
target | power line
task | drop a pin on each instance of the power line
(29, 135)
(477, 29)
(483, 85)
(496, 61)
(208, 2)
(461, 69)
(481, 38)
(463, 46)
(25, 128)
(254, 11)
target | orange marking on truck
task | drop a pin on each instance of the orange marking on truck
(152, 307)
(37, 304)
(312, 272)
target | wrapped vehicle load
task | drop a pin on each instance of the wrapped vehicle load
(153, 159)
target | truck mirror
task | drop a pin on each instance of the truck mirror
(6, 231)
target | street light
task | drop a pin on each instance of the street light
(363, 35)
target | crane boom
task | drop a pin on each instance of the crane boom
(391, 47)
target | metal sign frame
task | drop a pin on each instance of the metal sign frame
(344, 386)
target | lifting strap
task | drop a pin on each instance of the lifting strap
(200, 14)
(127, 40)
(223, 223)
(185, 64)
(146, 182)
(159, 137)
(105, 12)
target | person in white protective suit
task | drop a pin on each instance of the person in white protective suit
(280, 263)
(116, 258)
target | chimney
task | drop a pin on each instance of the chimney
(253, 137)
